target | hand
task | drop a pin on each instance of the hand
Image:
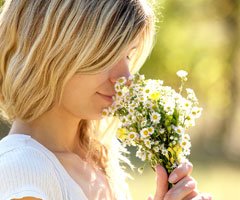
(184, 185)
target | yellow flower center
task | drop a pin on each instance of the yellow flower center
(155, 96)
(131, 136)
(145, 132)
(119, 93)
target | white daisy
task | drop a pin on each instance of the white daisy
(117, 87)
(150, 130)
(155, 117)
(191, 95)
(196, 112)
(156, 149)
(132, 135)
(105, 112)
(182, 74)
(165, 152)
(144, 133)
(147, 143)
(141, 154)
(161, 131)
(122, 81)
(178, 129)
(143, 123)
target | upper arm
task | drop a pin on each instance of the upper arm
(28, 198)
(27, 174)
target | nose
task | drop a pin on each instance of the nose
(120, 69)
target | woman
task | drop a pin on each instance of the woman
(59, 62)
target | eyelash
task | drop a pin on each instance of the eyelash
(132, 52)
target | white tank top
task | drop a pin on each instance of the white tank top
(27, 168)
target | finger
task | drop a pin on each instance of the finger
(181, 171)
(162, 183)
(150, 198)
(203, 196)
(182, 189)
(193, 194)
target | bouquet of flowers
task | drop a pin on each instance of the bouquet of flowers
(155, 118)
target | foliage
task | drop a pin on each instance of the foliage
(155, 118)
(201, 37)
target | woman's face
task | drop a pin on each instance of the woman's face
(85, 96)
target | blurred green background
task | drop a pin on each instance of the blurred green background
(201, 37)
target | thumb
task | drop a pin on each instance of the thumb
(150, 198)
(162, 183)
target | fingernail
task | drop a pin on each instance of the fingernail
(172, 178)
(190, 184)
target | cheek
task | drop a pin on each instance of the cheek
(84, 103)
(80, 98)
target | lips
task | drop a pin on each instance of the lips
(106, 96)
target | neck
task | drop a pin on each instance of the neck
(56, 129)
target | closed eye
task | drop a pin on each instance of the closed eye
(131, 53)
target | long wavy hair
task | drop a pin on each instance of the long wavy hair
(45, 42)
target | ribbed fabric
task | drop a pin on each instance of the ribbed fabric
(29, 169)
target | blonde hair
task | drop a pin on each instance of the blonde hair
(45, 42)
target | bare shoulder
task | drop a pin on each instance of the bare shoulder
(28, 198)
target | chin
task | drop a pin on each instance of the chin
(95, 116)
